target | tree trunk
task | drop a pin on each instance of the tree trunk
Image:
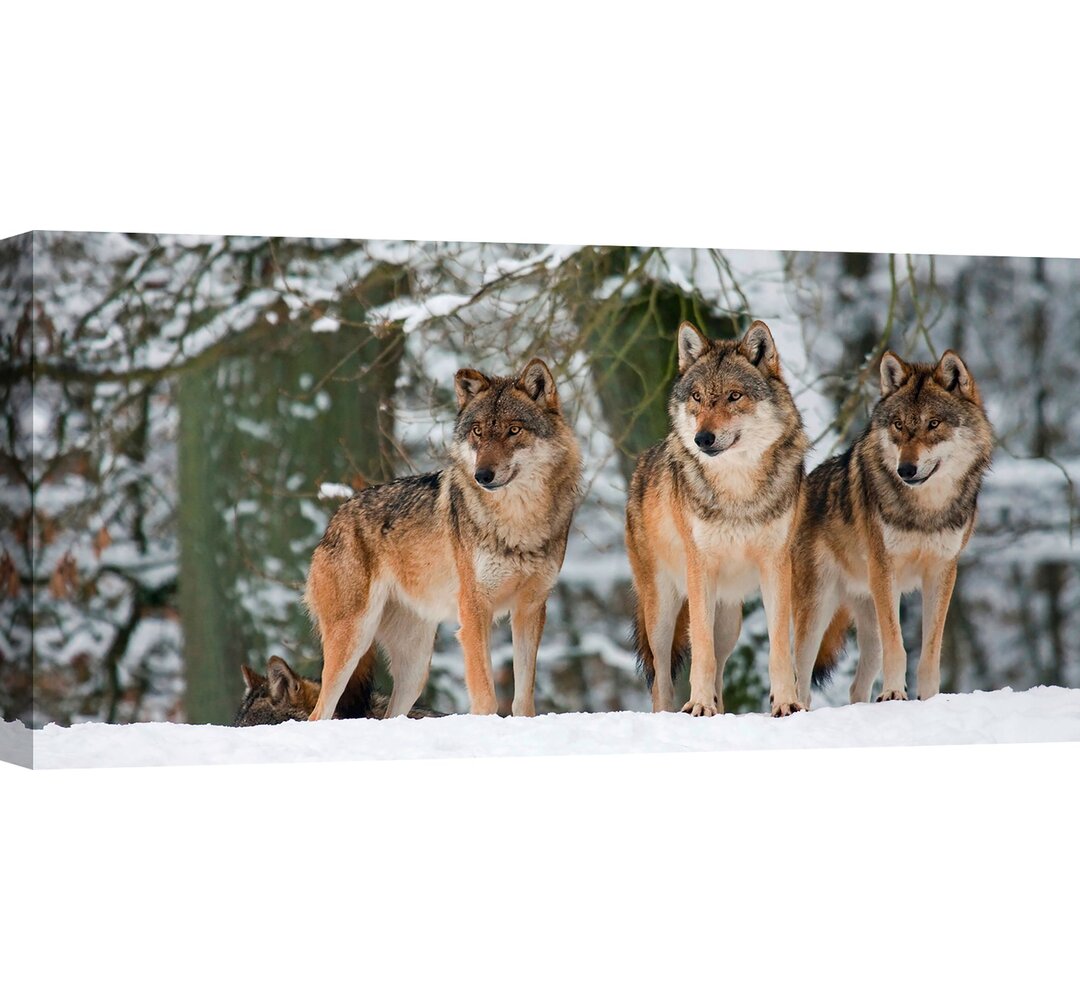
(257, 433)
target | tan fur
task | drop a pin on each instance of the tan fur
(711, 514)
(482, 538)
(868, 534)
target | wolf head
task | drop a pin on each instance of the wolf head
(730, 398)
(508, 428)
(930, 423)
(278, 697)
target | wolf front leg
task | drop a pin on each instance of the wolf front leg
(475, 614)
(937, 588)
(701, 594)
(775, 573)
(526, 627)
(887, 606)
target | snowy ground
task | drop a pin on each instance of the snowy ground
(1039, 715)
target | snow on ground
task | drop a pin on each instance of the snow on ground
(1042, 714)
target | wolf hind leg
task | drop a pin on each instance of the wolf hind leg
(726, 627)
(659, 612)
(344, 641)
(408, 641)
(815, 603)
(869, 639)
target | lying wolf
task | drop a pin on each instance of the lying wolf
(283, 695)
(485, 536)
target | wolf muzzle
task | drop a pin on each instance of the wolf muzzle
(712, 445)
(909, 473)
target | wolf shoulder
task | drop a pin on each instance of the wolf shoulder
(387, 508)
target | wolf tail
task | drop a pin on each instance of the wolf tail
(832, 646)
(680, 644)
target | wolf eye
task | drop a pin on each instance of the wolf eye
(514, 430)
(734, 397)
(476, 429)
(933, 423)
(899, 426)
(695, 396)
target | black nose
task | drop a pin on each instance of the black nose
(705, 439)
(907, 470)
(485, 477)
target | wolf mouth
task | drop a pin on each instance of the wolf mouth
(719, 449)
(492, 487)
(921, 479)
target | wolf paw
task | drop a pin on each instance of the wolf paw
(782, 709)
(696, 708)
(892, 695)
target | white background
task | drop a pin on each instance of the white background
(827, 873)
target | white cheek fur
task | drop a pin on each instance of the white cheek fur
(889, 452)
(685, 428)
(463, 454)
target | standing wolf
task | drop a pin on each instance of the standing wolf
(710, 515)
(889, 515)
(483, 537)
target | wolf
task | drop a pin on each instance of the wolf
(483, 537)
(890, 515)
(283, 695)
(710, 516)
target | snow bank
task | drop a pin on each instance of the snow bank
(1040, 715)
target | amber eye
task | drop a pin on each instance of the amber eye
(476, 430)
(514, 430)
(899, 426)
(734, 397)
(695, 396)
(933, 424)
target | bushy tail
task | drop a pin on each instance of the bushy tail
(680, 644)
(832, 646)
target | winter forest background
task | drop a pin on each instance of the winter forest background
(190, 395)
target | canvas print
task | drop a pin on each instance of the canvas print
(284, 499)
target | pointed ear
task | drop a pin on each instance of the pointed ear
(281, 678)
(252, 679)
(759, 348)
(537, 382)
(692, 345)
(953, 375)
(468, 382)
(894, 373)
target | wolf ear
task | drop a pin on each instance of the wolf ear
(894, 373)
(281, 678)
(468, 382)
(759, 348)
(251, 678)
(692, 345)
(536, 380)
(953, 375)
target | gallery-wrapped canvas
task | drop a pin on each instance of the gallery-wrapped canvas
(281, 499)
